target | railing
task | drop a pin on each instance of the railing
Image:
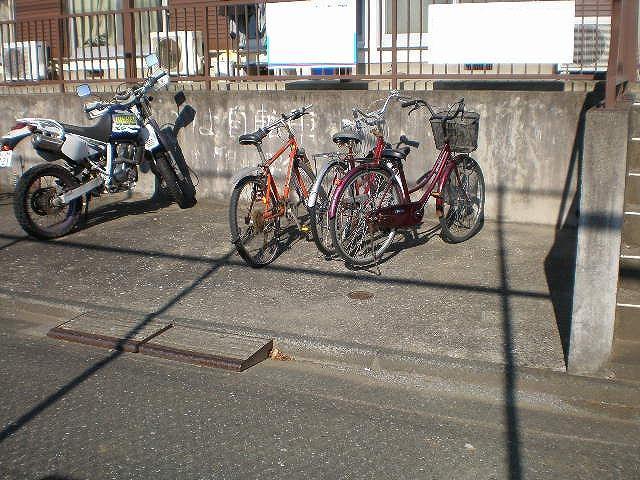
(225, 41)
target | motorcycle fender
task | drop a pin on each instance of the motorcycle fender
(313, 195)
(185, 118)
(245, 172)
(151, 140)
(11, 139)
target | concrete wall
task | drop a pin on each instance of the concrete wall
(599, 234)
(526, 138)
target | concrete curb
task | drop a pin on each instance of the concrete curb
(450, 374)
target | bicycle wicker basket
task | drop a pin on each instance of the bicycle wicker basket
(462, 131)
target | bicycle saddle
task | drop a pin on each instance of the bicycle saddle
(253, 138)
(345, 137)
(396, 154)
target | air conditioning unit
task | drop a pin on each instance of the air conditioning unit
(591, 37)
(181, 53)
(24, 60)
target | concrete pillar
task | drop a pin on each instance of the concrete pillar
(599, 234)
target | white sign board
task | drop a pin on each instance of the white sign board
(501, 32)
(315, 32)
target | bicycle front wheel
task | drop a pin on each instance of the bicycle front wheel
(355, 238)
(319, 220)
(463, 197)
(254, 223)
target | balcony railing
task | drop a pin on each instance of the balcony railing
(225, 41)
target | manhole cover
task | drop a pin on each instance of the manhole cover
(360, 295)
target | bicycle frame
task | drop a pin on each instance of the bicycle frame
(349, 160)
(406, 213)
(292, 169)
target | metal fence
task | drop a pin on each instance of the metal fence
(225, 41)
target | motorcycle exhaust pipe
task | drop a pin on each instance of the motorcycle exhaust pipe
(77, 192)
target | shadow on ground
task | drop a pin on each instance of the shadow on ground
(115, 210)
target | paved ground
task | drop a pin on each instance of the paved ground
(486, 300)
(70, 412)
(429, 379)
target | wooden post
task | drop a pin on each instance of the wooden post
(623, 48)
(629, 39)
(614, 44)
(61, 31)
(129, 30)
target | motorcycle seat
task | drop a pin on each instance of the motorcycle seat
(101, 130)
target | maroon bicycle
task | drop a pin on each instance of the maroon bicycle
(363, 225)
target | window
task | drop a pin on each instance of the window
(95, 30)
(409, 18)
(6, 10)
(106, 30)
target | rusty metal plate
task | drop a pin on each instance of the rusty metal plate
(209, 348)
(360, 295)
(110, 330)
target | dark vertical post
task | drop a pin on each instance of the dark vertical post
(130, 70)
(394, 44)
(614, 46)
(207, 59)
(368, 27)
(61, 32)
(630, 39)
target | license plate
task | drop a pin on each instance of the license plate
(5, 158)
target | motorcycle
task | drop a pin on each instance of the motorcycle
(99, 159)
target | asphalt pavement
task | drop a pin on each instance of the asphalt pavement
(70, 411)
(453, 369)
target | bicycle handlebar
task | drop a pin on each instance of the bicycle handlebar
(285, 117)
(417, 103)
(376, 115)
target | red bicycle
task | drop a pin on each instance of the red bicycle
(363, 225)
(257, 206)
(366, 135)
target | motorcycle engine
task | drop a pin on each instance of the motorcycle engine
(125, 171)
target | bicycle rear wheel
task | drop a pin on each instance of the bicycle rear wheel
(463, 196)
(354, 237)
(319, 220)
(254, 231)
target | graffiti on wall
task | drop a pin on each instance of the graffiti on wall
(239, 120)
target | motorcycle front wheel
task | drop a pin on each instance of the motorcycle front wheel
(175, 173)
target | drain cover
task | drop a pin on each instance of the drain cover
(360, 295)
(109, 330)
(209, 348)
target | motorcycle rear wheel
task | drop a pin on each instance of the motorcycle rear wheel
(33, 201)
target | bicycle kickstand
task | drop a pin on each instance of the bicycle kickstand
(375, 258)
